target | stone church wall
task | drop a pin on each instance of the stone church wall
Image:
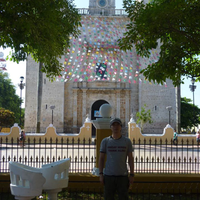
(52, 95)
(31, 95)
(79, 88)
(157, 97)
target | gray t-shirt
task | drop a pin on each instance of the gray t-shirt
(117, 152)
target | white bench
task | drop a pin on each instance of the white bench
(50, 178)
(26, 182)
(57, 177)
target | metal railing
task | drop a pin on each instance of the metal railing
(34, 154)
(149, 156)
(160, 156)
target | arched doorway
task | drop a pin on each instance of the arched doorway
(95, 112)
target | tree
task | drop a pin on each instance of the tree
(40, 28)
(8, 99)
(190, 116)
(175, 25)
(144, 117)
(7, 118)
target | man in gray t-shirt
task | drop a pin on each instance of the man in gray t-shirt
(117, 148)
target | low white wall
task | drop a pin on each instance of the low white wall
(134, 133)
(85, 134)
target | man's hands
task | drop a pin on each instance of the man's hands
(131, 180)
(101, 178)
(101, 164)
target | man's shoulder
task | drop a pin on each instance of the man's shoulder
(106, 139)
(126, 138)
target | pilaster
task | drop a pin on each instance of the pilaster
(75, 109)
(127, 113)
(84, 107)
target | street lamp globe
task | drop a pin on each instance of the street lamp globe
(21, 78)
(193, 80)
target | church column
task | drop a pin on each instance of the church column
(118, 106)
(75, 109)
(127, 108)
(118, 103)
(84, 105)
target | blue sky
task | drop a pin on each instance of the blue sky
(16, 70)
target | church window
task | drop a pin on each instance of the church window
(101, 71)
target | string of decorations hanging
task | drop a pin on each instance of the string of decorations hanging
(95, 54)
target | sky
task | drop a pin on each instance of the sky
(15, 70)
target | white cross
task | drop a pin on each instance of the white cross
(88, 128)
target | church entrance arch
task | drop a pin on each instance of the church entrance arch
(95, 112)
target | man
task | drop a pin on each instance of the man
(175, 137)
(115, 177)
(22, 138)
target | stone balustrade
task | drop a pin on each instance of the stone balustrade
(102, 12)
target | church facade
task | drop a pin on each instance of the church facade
(95, 72)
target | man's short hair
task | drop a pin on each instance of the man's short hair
(115, 120)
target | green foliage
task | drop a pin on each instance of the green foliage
(8, 99)
(144, 117)
(7, 118)
(40, 28)
(189, 114)
(172, 24)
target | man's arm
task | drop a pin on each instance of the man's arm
(131, 165)
(101, 165)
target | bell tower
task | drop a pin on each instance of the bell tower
(102, 7)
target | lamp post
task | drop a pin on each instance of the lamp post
(169, 108)
(52, 107)
(192, 89)
(21, 86)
